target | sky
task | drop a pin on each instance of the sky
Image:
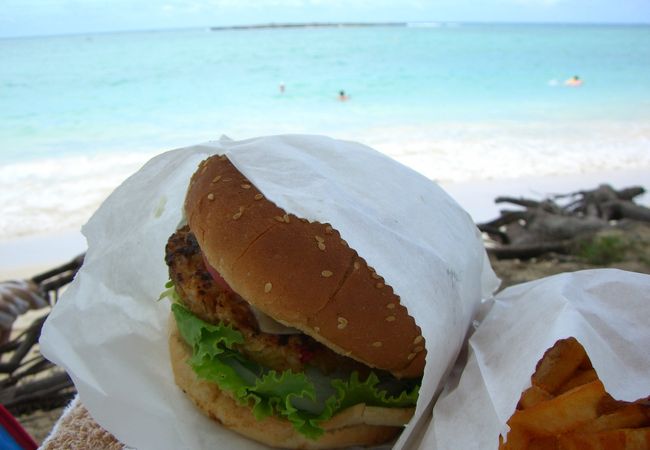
(47, 17)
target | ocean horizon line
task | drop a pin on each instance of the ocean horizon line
(328, 24)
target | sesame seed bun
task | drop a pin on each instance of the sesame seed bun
(358, 425)
(301, 273)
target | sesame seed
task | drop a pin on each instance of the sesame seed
(356, 265)
(258, 197)
(379, 285)
(227, 179)
(417, 340)
(216, 179)
(375, 276)
(326, 273)
(418, 349)
(238, 215)
(279, 218)
(321, 246)
(286, 218)
(343, 322)
(345, 244)
(390, 319)
(210, 196)
(328, 230)
(245, 186)
(267, 287)
(410, 356)
(377, 344)
(390, 306)
(319, 239)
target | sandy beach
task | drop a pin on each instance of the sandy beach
(26, 256)
(477, 197)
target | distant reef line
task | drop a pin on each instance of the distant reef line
(265, 26)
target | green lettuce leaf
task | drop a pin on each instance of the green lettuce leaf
(305, 399)
(170, 292)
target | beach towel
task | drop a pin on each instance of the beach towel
(77, 430)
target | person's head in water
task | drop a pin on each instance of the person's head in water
(574, 81)
(343, 96)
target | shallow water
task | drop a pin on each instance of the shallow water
(457, 102)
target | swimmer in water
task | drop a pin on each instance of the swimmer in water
(343, 96)
(574, 81)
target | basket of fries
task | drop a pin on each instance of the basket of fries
(559, 363)
(567, 407)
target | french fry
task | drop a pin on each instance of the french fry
(585, 364)
(637, 439)
(644, 401)
(609, 404)
(626, 439)
(517, 439)
(630, 416)
(578, 378)
(547, 443)
(562, 413)
(567, 408)
(532, 396)
(558, 364)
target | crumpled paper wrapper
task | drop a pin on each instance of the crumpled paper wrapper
(110, 332)
(606, 310)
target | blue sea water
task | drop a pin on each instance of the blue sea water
(457, 101)
(107, 92)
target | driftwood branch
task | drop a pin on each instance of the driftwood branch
(51, 391)
(24, 342)
(27, 380)
(59, 276)
(529, 251)
(618, 210)
(558, 223)
(518, 201)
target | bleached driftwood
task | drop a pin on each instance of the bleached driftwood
(27, 380)
(548, 225)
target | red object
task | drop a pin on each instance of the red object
(216, 276)
(306, 355)
(15, 430)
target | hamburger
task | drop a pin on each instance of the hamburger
(279, 330)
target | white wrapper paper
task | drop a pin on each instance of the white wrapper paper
(606, 310)
(110, 333)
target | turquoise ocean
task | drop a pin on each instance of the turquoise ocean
(457, 102)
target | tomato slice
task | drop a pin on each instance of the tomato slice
(216, 276)
(306, 355)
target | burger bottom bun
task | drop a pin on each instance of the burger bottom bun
(272, 431)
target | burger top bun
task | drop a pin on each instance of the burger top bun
(301, 273)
